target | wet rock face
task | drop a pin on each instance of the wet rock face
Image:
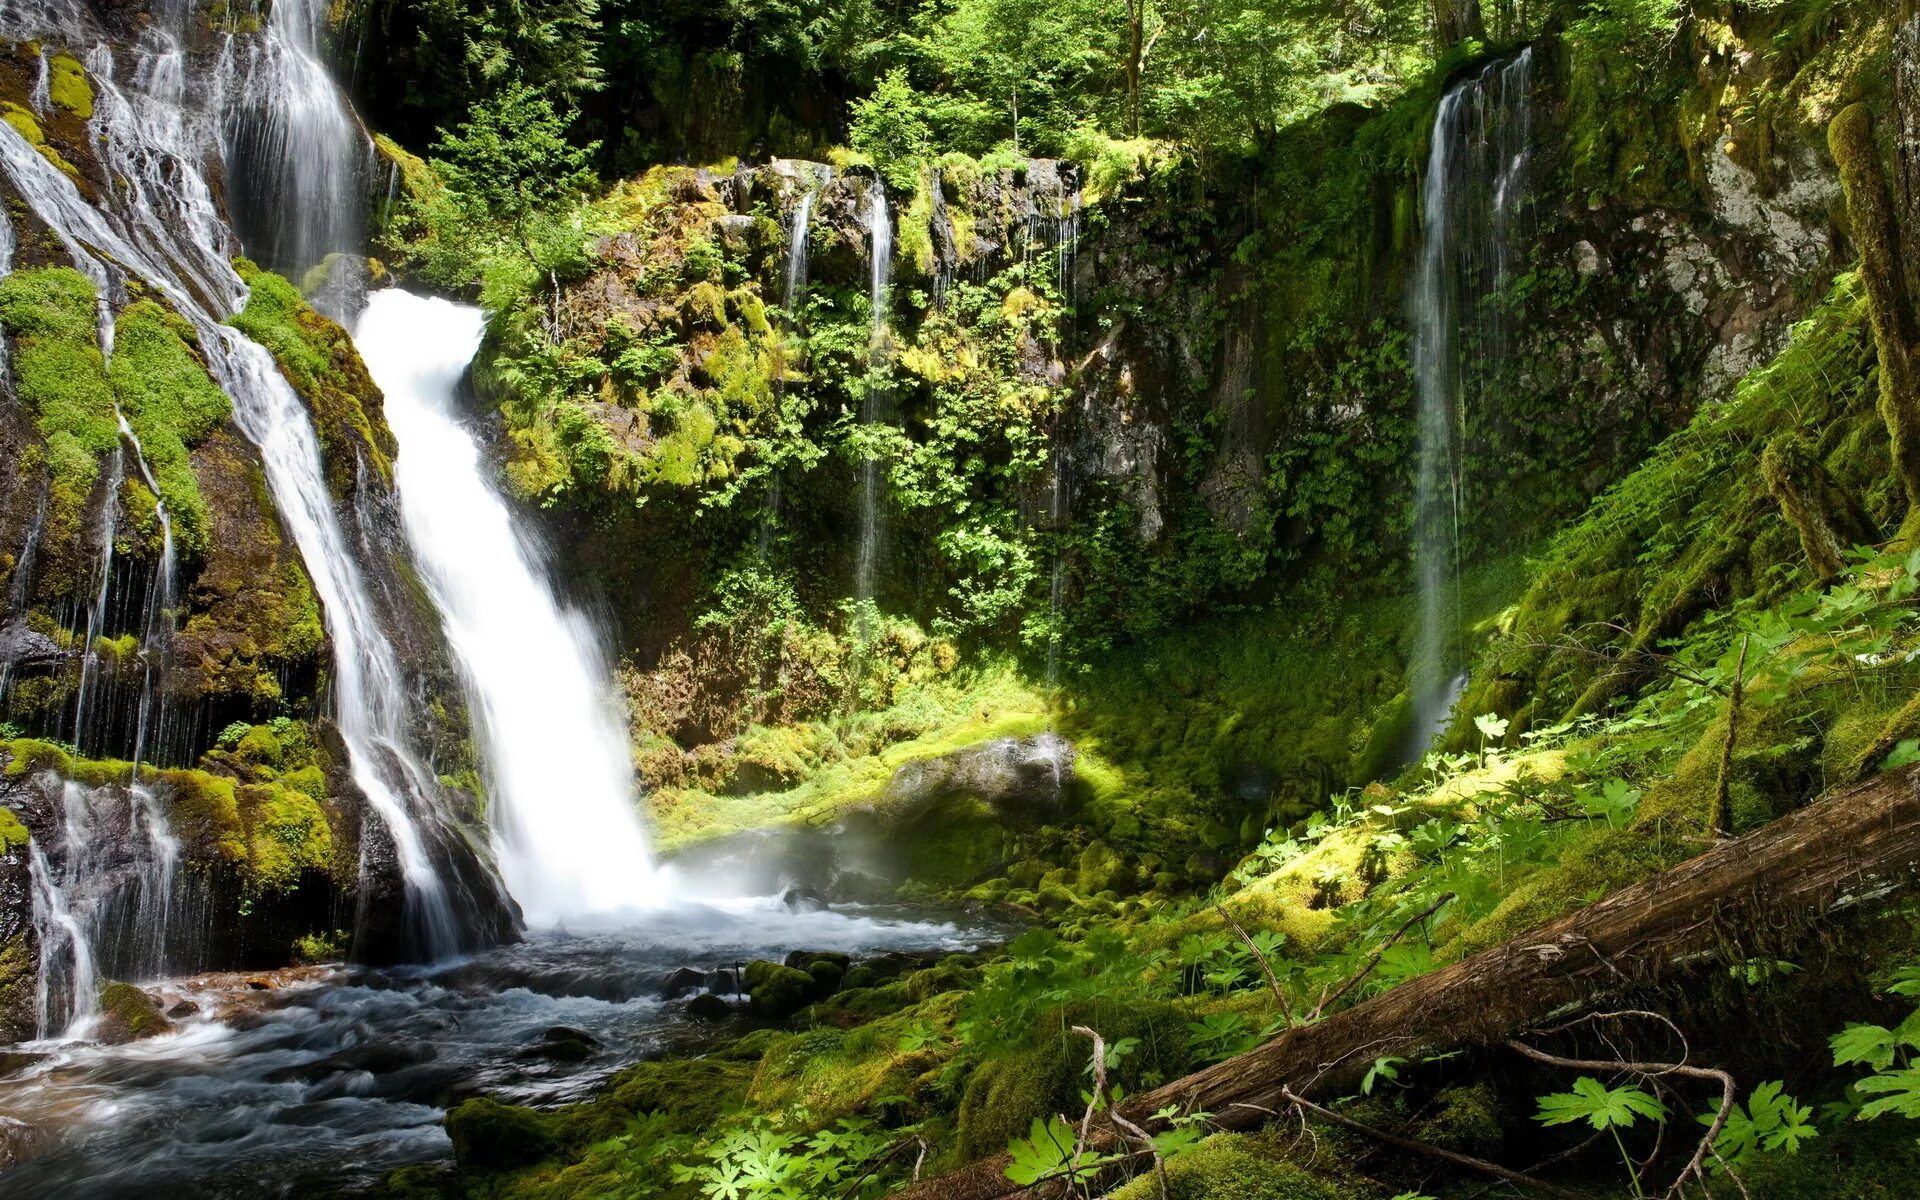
(19, 947)
(1028, 778)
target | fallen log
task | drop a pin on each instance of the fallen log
(1854, 847)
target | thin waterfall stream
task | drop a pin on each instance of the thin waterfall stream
(874, 402)
(1475, 184)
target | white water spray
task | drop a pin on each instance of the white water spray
(561, 781)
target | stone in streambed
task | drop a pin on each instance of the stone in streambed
(682, 980)
(563, 1043)
(487, 1133)
(128, 1014)
(708, 1007)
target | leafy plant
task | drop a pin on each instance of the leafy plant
(1770, 1120)
(1606, 1109)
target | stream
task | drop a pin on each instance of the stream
(292, 1082)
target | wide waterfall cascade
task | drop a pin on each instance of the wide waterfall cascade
(561, 783)
(161, 228)
(298, 163)
(1475, 187)
(873, 404)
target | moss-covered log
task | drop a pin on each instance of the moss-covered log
(1861, 845)
(1870, 207)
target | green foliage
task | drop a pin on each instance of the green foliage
(509, 169)
(1605, 1109)
(1895, 1080)
(889, 128)
(1769, 1121)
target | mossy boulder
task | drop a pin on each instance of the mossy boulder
(778, 991)
(487, 1133)
(128, 1014)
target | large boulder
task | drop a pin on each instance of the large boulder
(1026, 779)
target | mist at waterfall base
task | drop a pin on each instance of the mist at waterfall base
(559, 775)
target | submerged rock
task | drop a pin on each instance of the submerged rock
(803, 899)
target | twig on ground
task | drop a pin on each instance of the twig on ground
(1373, 960)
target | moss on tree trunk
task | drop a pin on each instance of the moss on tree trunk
(1870, 207)
(1825, 516)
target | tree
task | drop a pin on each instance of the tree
(510, 169)
(1883, 267)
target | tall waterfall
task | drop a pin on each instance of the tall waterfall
(561, 783)
(1475, 184)
(874, 404)
(160, 228)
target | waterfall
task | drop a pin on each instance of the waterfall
(796, 275)
(560, 777)
(795, 291)
(1475, 183)
(161, 227)
(298, 163)
(873, 404)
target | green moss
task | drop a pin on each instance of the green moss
(1235, 1167)
(13, 835)
(487, 1133)
(778, 991)
(28, 126)
(60, 373)
(128, 1014)
(171, 403)
(319, 359)
(67, 86)
(287, 833)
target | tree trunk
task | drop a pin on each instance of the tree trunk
(1875, 231)
(1454, 21)
(1859, 845)
(1906, 125)
(1136, 43)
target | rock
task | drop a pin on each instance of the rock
(778, 991)
(682, 980)
(563, 1043)
(182, 1008)
(24, 647)
(1021, 778)
(708, 1007)
(826, 976)
(128, 1014)
(801, 898)
(487, 1133)
(804, 959)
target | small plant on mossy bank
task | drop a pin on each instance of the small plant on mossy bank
(1608, 1110)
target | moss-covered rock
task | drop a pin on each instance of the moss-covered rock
(128, 1014)
(172, 404)
(487, 1133)
(778, 991)
(1234, 1167)
(319, 359)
